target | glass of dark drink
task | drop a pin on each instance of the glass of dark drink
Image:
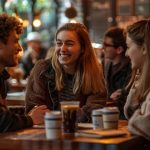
(69, 112)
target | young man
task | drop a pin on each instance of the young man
(10, 30)
(118, 69)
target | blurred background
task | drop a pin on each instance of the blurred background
(45, 16)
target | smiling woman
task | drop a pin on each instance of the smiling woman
(68, 50)
(68, 75)
(137, 107)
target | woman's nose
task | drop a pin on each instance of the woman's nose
(63, 47)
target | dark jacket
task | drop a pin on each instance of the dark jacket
(8, 120)
(41, 90)
(118, 78)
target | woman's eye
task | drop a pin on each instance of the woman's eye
(58, 43)
(69, 44)
(66, 44)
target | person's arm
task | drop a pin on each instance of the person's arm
(93, 102)
(139, 123)
(11, 122)
(116, 95)
(119, 99)
(37, 114)
(37, 89)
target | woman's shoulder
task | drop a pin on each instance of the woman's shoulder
(41, 66)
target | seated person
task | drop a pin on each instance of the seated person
(117, 70)
(10, 30)
(34, 52)
(137, 107)
(72, 74)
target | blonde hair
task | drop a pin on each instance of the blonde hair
(139, 32)
(88, 77)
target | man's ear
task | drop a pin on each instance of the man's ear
(120, 50)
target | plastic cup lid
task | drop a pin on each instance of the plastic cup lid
(53, 114)
(110, 110)
(69, 103)
(97, 112)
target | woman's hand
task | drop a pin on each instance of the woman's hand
(37, 114)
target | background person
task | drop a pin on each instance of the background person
(34, 52)
(10, 30)
(117, 70)
(68, 75)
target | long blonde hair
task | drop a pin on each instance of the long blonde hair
(139, 32)
(89, 75)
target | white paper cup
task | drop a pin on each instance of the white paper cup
(97, 120)
(53, 122)
(110, 117)
(52, 134)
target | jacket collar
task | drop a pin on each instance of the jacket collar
(48, 72)
(49, 75)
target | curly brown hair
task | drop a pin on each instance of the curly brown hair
(8, 24)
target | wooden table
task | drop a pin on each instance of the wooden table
(34, 139)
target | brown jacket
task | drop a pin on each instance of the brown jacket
(41, 90)
(138, 115)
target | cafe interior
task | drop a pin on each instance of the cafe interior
(60, 130)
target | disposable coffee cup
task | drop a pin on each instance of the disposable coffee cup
(97, 120)
(69, 114)
(53, 122)
(110, 117)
